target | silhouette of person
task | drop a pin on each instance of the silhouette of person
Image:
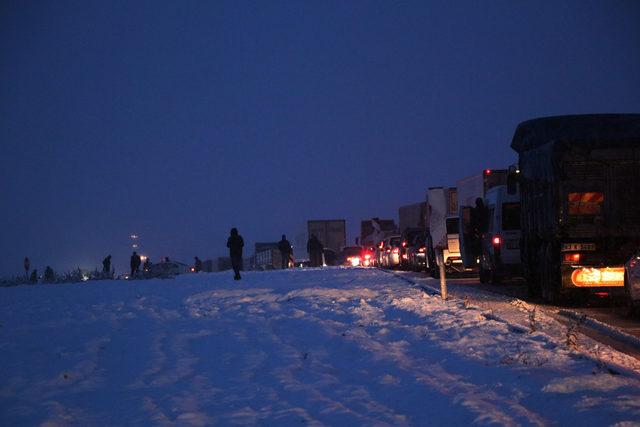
(235, 243)
(135, 263)
(285, 251)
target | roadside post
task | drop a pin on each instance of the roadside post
(443, 279)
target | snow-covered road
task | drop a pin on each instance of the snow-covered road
(301, 347)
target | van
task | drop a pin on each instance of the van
(501, 241)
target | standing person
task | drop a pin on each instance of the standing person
(106, 266)
(135, 263)
(235, 245)
(49, 275)
(285, 251)
(34, 276)
(27, 266)
(314, 248)
(197, 265)
(147, 265)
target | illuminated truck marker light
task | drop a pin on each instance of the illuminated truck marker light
(586, 277)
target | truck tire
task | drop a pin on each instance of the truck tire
(484, 275)
(550, 276)
(496, 275)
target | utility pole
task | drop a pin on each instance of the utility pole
(443, 279)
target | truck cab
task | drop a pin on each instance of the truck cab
(501, 241)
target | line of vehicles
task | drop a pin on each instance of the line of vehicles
(566, 218)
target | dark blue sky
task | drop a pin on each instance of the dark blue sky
(178, 120)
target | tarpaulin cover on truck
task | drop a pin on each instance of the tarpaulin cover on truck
(591, 128)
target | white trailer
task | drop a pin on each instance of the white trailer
(443, 226)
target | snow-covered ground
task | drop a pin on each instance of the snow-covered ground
(300, 347)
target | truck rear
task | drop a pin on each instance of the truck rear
(332, 233)
(580, 214)
(444, 227)
(470, 189)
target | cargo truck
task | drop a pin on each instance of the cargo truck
(331, 233)
(580, 214)
(469, 189)
(443, 229)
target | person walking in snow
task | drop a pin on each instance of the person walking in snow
(235, 245)
(106, 266)
(197, 265)
(285, 251)
(27, 266)
(135, 264)
(314, 248)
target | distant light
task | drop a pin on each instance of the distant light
(487, 171)
(85, 277)
(496, 240)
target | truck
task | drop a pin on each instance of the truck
(469, 190)
(443, 229)
(580, 215)
(268, 256)
(331, 233)
(374, 230)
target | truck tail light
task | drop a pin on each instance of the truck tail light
(496, 240)
(572, 257)
(607, 276)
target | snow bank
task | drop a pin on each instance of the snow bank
(319, 347)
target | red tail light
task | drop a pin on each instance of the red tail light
(572, 257)
(496, 240)
(422, 249)
(396, 250)
(367, 256)
(601, 294)
(404, 244)
(388, 250)
(487, 171)
(381, 245)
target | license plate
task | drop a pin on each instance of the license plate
(513, 244)
(570, 247)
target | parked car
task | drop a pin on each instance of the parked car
(390, 256)
(351, 256)
(167, 269)
(417, 252)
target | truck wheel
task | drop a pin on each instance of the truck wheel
(484, 275)
(496, 276)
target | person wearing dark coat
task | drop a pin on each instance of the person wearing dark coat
(314, 248)
(197, 265)
(135, 263)
(235, 245)
(34, 276)
(49, 275)
(285, 251)
(147, 265)
(106, 266)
